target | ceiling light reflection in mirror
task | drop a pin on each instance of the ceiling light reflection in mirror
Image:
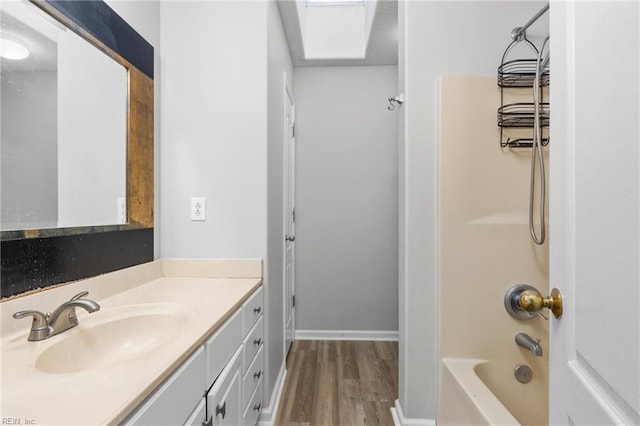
(10, 49)
(63, 127)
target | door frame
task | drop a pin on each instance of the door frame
(288, 169)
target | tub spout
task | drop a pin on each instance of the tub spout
(524, 340)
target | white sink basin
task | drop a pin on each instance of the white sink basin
(113, 337)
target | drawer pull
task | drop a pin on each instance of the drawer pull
(257, 375)
(257, 407)
(222, 410)
(257, 310)
(257, 342)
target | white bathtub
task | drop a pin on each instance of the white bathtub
(479, 392)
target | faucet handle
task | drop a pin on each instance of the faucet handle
(39, 319)
(80, 295)
(40, 325)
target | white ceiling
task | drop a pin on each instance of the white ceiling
(383, 41)
(43, 51)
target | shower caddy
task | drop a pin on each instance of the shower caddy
(521, 74)
(531, 74)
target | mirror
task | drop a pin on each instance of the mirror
(64, 123)
(85, 124)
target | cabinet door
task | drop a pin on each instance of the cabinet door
(174, 401)
(198, 417)
(230, 403)
(224, 400)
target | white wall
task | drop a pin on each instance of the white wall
(214, 97)
(279, 65)
(436, 38)
(347, 191)
(92, 133)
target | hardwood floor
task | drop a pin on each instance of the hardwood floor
(339, 383)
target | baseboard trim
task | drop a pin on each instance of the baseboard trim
(365, 335)
(268, 415)
(400, 420)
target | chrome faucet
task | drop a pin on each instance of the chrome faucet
(61, 319)
(524, 340)
(64, 317)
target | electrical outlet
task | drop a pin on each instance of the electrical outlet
(122, 211)
(198, 208)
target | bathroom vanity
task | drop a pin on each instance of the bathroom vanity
(174, 342)
(231, 364)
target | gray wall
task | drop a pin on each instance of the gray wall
(435, 38)
(347, 199)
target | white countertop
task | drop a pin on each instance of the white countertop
(106, 395)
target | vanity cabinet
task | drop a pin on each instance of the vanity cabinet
(228, 370)
(253, 358)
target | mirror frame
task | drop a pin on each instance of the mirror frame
(39, 258)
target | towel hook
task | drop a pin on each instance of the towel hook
(396, 100)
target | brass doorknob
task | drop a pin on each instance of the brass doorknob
(523, 301)
(532, 301)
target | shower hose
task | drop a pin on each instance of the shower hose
(536, 154)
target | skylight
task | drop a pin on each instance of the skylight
(335, 29)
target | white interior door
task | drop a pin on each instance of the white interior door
(594, 212)
(289, 218)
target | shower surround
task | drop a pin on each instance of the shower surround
(484, 248)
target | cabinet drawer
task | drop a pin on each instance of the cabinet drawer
(252, 309)
(176, 398)
(252, 377)
(220, 348)
(225, 397)
(253, 410)
(252, 344)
